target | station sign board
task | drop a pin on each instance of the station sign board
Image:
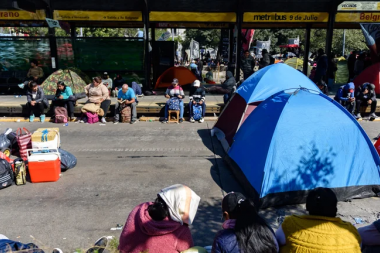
(22, 15)
(208, 25)
(359, 6)
(357, 17)
(164, 16)
(127, 16)
(291, 17)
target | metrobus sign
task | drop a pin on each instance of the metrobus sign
(21, 15)
(358, 17)
(292, 17)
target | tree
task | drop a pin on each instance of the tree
(208, 38)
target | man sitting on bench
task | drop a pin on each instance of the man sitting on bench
(125, 97)
(366, 96)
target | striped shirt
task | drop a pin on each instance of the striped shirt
(175, 91)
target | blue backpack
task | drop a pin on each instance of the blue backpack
(174, 104)
(197, 112)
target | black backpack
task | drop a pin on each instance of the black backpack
(6, 174)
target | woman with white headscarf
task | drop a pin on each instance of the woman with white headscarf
(161, 226)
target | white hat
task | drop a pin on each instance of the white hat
(196, 83)
(105, 73)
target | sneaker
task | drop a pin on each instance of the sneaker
(81, 121)
(180, 120)
(31, 118)
(164, 121)
(192, 120)
(133, 121)
(42, 118)
(358, 116)
(73, 119)
(57, 250)
(373, 116)
(103, 120)
(201, 120)
(116, 122)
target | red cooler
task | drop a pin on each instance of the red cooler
(44, 166)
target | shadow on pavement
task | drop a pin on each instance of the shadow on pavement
(208, 222)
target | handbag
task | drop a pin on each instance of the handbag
(24, 141)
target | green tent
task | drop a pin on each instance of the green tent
(69, 77)
(297, 63)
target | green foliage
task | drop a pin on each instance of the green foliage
(354, 39)
(208, 38)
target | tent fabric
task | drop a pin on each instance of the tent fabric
(69, 77)
(184, 76)
(289, 145)
(272, 79)
(258, 87)
(370, 75)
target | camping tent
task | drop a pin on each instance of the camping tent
(69, 77)
(258, 87)
(184, 76)
(370, 75)
(290, 145)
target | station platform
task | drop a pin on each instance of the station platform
(149, 107)
(11, 106)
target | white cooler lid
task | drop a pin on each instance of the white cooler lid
(43, 157)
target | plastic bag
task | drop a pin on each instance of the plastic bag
(4, 141)
(68, 160)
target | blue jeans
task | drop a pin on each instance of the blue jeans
(180, 109)
(191, 109)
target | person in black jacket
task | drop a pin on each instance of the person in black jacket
(265, 60)
(37, 102)
(243, 229)
(365, 96)
(200, 68)
(351, 65)
(247, 64)
(226, 87)
(197, 96)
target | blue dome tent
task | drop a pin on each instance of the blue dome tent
(293, 143)
(258, 87)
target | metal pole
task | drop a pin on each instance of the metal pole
(307, 49)
(52, 39)
(172, 34)
(344, 42)
(231, 64)
(147, 53)
(239, 17)
(329, 36)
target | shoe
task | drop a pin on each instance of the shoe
(201, 120)
(192, 120)
(31, 118)
(164, 121)
(57, 250)
(180, 120)
(42, 118)
(358, 116)
(103, 120)
(81, 121)
(133, 121)
(373, 116)
(116, 122)
(73, 119)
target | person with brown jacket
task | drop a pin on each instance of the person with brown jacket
(35, 73)
(97, 93)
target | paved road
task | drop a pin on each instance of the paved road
(121, 166)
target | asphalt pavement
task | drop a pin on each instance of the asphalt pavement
(121, 166)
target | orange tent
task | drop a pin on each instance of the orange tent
(184, 76)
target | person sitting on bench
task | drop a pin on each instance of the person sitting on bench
(125, 97)
(37, 102)
(97, 93)
(345, 96)
(64, 97)
(366, 96)
(174, 91)
(35, 73)
(197, 96)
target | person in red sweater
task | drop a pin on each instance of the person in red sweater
(161, 226)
